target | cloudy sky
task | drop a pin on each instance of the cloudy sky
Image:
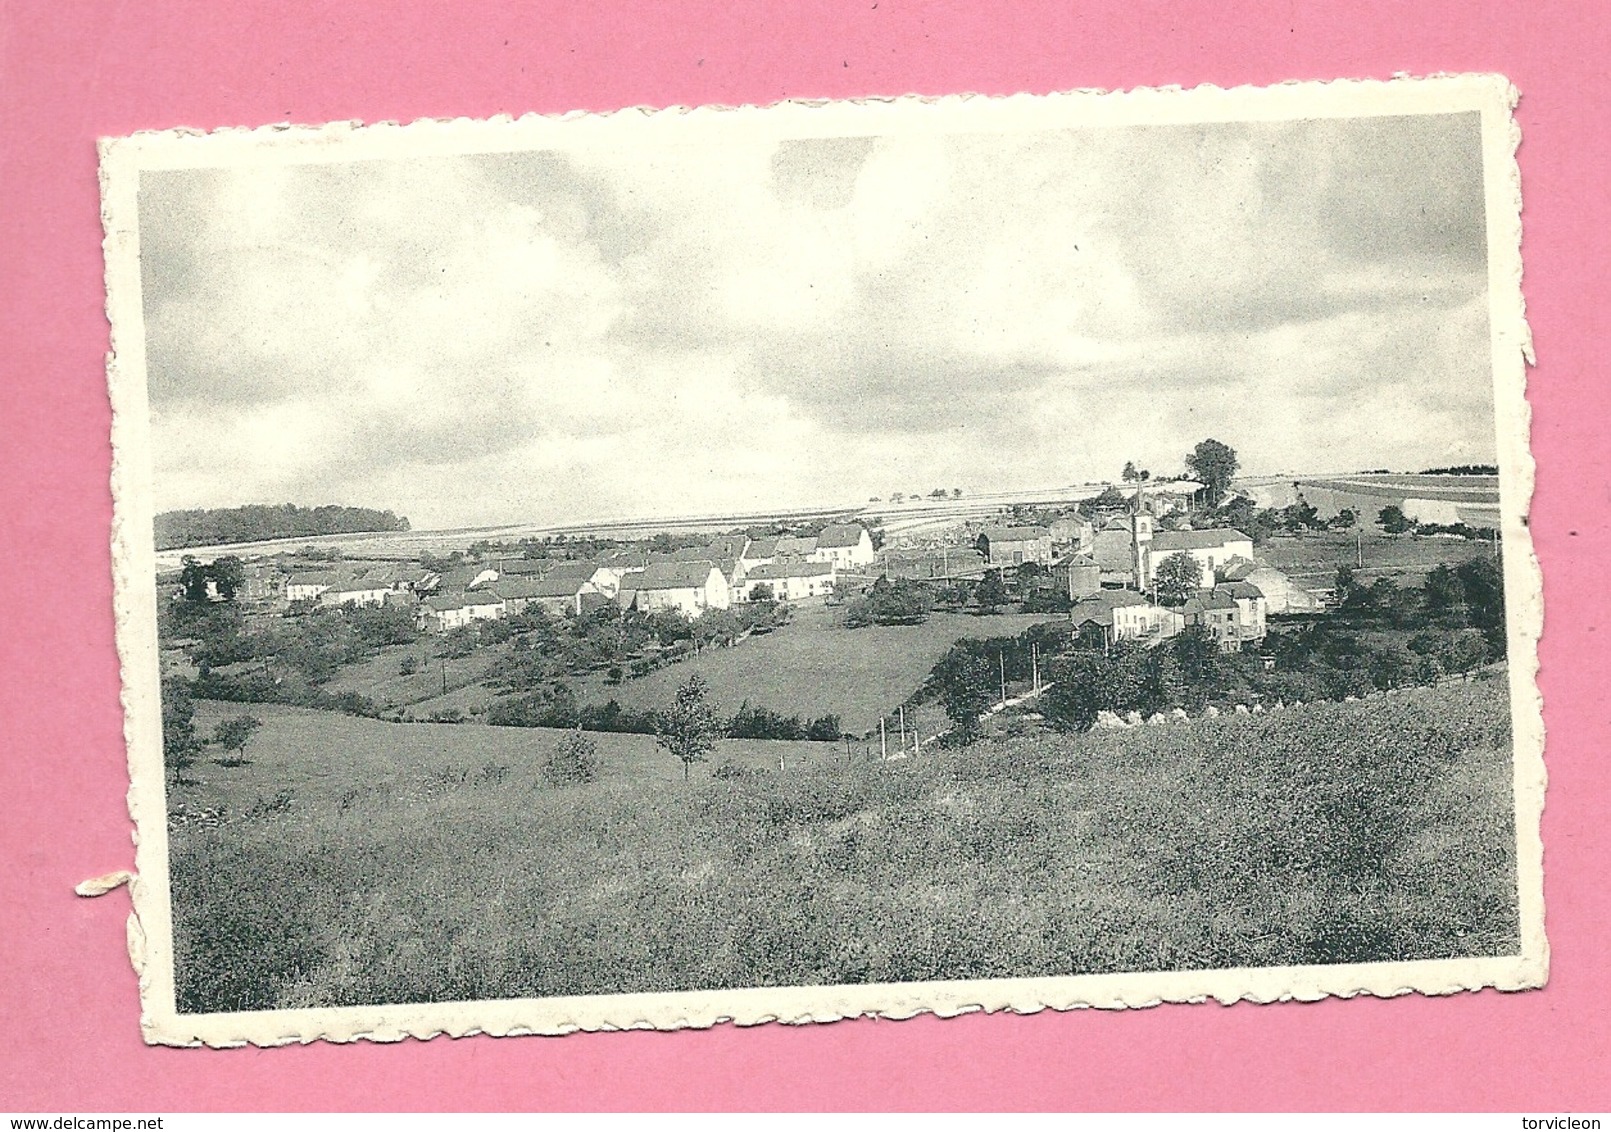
(548, 336)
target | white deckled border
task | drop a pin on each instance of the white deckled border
(133, 553)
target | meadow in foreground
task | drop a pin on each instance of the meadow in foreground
(1376, 830)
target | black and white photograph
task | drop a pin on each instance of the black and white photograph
(782, 564)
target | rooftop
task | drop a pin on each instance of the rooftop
(1017, 534)
(673, 576)
(1196, 540)
(841, 535)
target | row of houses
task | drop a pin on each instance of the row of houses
(729, 570)
(1233, 613)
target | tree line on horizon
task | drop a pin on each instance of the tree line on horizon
(259, 522)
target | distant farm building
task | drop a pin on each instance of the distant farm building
(1013, 546)
(691, 587)
(354, 593)
(1281, 593)
(1079, 574)
(1233, 614)
(790, 581)
(553, 594)
(450, 611)
(1112, 616)
(307, 586)
(846, 546)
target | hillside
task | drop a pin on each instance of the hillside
(444, 870)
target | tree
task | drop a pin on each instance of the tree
(234, 733)
(1080, 689)
(1392, 520)
(956, 493)
(1130, 475)
(1177, 578)
(991, 592)
(1482, 580)
(1199, 662)
(761, 591)
(1111, 499)
(1214, 465)
(574, 759)
(1346, 588)
(903, 601)
(967, 683)
(228, 576)
(689, 730)
(179, 742)
(193, 579)
(1442, 591)
(1344, 519)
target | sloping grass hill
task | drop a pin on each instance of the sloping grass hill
(1335, 832)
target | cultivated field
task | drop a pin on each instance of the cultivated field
(1312, 559)
(359, 862)
(814, 666)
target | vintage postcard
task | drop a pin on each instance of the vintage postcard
(660, 568)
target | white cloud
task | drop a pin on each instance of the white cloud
(514, 337)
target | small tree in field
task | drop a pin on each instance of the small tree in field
(1393, 520)
(234, 733)
(690, 729)
(991, 592)
(574, 759)
(1177, 578)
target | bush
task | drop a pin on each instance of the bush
(574, 759)
(899, 602)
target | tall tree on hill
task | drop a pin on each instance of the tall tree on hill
(689, 730)
(1214, 465)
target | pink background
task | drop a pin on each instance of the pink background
(67, 996)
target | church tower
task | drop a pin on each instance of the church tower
(1142, 538)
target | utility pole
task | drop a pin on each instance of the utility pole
(1001, 659)
(1359, 547)
(883, 741)
(902, 710)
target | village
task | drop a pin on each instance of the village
(1137, 564)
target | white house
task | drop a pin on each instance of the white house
(1211, 549)
(691, 587)
(1124, 615)
(450, 611)
(555, 594)
(847, 546)
(1233, 613)
(758, 552)
(790, 581)
(307, 586)
(355, 593)
(1281, 593)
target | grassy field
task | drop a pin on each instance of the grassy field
(359, 862)
(321, 756)
(1312, 559)
(814, 666)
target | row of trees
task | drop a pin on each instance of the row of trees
(260, 522)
